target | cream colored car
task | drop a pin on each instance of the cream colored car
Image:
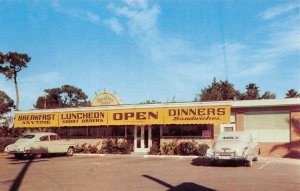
(37, 144)
(235, 146)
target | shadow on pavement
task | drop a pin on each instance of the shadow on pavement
(190, 186)
(200, 162)
(18, 181)
(22, 162)
(206, 162)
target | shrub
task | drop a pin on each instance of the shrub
(90, 149)
(4, 141)
(124, 147)
(93, 149)
(184, 148)
(202, 148)
(154, 150)
(170, 148)
(188, 148)
(113, 146)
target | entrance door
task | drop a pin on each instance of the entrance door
(142, 138)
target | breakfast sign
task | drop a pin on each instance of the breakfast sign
(36, 120)
(134, 116)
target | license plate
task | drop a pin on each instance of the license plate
(224, 157)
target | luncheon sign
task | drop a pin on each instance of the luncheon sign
(146, 116)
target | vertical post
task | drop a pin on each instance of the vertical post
(149, 136)
(142, 137)
(135, 138)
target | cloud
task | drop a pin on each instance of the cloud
(89, 16)
(280, 10)
(178, 60)
(141, 17)
(137, 3)
(77, 13)
(285, 37)
(181, 62)
(114, 24)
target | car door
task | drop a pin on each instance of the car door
(40, 145)
(55, 145)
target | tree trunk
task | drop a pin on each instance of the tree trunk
(17, 91)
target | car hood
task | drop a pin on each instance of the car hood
(229, 145)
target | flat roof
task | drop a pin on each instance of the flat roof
(233, 104)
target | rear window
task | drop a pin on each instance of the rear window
(28, 136)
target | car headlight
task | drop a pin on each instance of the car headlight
(240, 151)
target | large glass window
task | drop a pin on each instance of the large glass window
(187, 131)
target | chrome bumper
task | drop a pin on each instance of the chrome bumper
(226, 157)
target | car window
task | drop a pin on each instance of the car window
(54, 137)
(28, 136)
(44, 138)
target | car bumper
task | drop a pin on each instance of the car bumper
(15, 151)
(226, 157)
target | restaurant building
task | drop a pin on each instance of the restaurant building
(275, 124)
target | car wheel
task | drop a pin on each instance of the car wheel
(255, 158)
(37, 155)
(70, 151)
(19, 155)
(249, 163)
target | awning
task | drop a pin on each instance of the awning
(134, 116)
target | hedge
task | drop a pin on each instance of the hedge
(4, 141)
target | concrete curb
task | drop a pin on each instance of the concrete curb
(264, 159)
(143, 156)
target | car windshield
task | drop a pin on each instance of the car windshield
(230, 137)
(28, 136)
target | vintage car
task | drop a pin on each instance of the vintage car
(38, 144)
(234, 146)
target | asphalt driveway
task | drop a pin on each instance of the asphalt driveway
(127, 172)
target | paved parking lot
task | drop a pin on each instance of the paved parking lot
(145, 173)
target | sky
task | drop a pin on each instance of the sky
(164, 50)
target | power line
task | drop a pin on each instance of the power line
(220, 17)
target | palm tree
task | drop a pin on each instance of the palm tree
(292, 93)
(268, 95)
(252, 92)
(13, 63)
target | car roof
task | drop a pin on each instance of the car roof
(39, 134)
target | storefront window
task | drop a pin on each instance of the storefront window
(186, 130)
(91, 132)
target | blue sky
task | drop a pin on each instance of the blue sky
(160, 50)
